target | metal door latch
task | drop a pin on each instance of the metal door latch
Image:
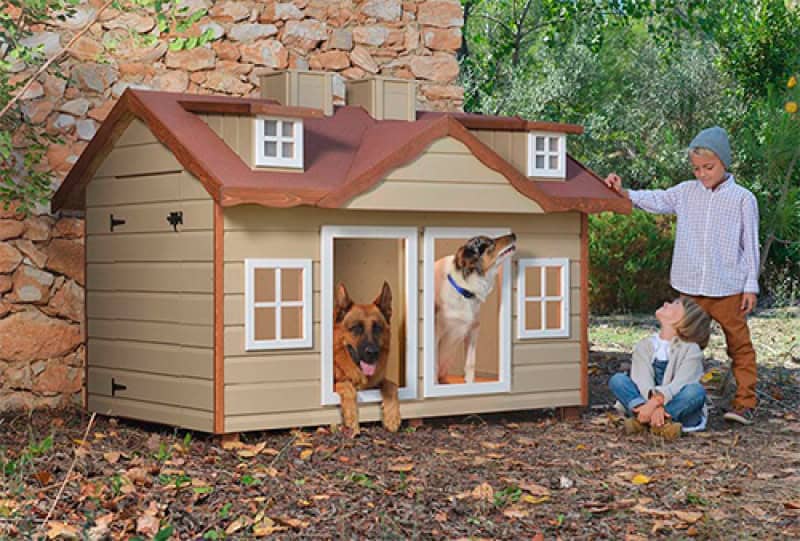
(115, 222)
(175, 218)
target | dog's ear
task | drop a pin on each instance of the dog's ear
(341, 303)
(384, 302)
(468, 260)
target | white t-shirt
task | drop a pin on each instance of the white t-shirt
(661, 348)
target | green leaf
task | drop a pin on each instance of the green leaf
(177, 44)
(163, 534)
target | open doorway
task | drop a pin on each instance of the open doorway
(363, 259)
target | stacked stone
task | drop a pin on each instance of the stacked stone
(41, 311)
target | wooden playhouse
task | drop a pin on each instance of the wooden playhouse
(217, 227)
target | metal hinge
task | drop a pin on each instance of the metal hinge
(175, 218)
(115, 222)
(116, 387)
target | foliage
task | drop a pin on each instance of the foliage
(629, 261)
(24, 179)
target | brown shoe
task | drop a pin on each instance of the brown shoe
(670, 430)
(633, 426)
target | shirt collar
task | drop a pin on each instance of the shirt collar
(724, 185)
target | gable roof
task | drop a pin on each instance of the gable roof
(345, 154)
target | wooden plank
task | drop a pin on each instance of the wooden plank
(155, 247)
(240, 245)
(252, 218)
(165, 359)
(136, 133)
(187, 308)
(273, 368)
(442, 197)
(152, 331)
(151, 217)
(450, 168)
(234, 343)
(271, 397)
(535, 352)
(155, 188)
(173, 391)
(151, 276)
(219, 321)
(151, 412)
(532, 378)
(436, 407)
(136, 160)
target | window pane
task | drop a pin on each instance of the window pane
(539, 162)
(533, 315)
(553, 309)
(264, 324)
(287, 150)
(292, 322)
(270, 128)
(291, 284)
(553, 281)
(533, 281)
(539, 143)
(553, 144)
(264, 282)
(553, 162)
(270, 149)
(287, 128)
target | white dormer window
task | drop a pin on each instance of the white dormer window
(547, 155)
(279, 142)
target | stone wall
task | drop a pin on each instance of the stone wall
(41, 258)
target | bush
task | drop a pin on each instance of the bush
(629, 262)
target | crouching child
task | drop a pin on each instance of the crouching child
(663, 390)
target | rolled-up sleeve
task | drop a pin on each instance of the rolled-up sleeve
(752, 257)
(657, 201)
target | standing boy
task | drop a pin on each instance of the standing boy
(716, 255)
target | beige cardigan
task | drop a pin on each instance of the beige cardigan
(685, 366)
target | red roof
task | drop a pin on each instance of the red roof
(345, 154)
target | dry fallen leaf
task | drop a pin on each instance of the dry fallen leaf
(484, 491)
(640, 479)
(147, 524)
(44, 477)
(514, 512)
(533, 488)
(236, 525)
(61, 530)
(690, 517)
(401, 467)
(306, 454)
(112, 457)
(795, 504)
(527, 498)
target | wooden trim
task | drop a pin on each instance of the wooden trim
(219, 323)
(584, 310)
(271, 108)
(286, 110)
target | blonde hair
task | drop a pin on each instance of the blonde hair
(704, 153)
(695, 326)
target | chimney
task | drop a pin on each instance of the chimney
(384, 98)
(300, 89)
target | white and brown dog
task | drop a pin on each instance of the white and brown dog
(463, 281)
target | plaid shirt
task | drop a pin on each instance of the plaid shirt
(716, 239)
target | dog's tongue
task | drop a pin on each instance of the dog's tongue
(368, 369)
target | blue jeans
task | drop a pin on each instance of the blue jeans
(686, 407)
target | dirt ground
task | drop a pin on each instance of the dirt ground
(514, 476)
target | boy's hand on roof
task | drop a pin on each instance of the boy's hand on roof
(614, 182)
(748, 302)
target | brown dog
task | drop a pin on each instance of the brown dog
(361, 338)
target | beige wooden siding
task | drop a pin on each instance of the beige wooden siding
(275, 389)
(236, 131)
(149, 289)
(447, 177)
(512, 147)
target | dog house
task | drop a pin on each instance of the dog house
(218, 227)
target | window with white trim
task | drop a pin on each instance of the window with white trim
(543, 298)
(278, 142)
(278, 299)
(547, 155)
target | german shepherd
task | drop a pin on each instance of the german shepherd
(361, 337)
(463, 282)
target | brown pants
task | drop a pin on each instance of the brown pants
(726, 311)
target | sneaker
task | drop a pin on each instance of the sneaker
(633, 426)
(744, 416)
(670, 430)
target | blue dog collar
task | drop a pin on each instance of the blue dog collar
(464, 292)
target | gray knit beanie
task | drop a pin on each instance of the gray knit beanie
(716, 140)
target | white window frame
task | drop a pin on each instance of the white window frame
(410, 235)
(250, 266)
(262, 160)
(546, 171)
(431, 383)
(522, 297)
